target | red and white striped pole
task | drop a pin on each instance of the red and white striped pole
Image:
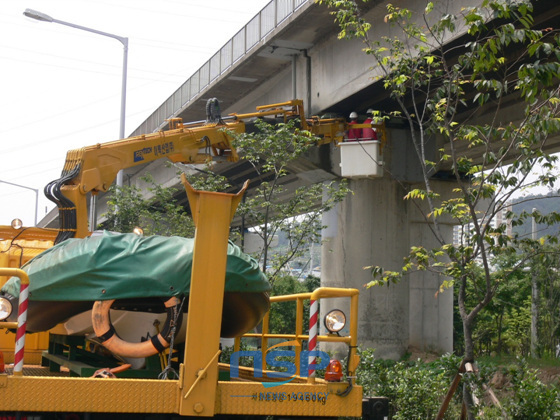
(22, 326)
(312, 344)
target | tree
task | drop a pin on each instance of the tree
(441, 89)
(271, 209)
(158, 214)
(504, 325)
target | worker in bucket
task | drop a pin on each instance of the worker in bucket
(369, 133)
(354, 134)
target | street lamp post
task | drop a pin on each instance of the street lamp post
(33, 14)
(46, 18)
(28, 188)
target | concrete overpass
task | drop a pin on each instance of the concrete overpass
(290, 50)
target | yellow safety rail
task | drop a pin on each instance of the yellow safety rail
(299, 336)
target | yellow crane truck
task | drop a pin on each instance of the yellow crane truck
(58, 371)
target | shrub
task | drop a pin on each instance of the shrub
(415, 389)
(532, 399)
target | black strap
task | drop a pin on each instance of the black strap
(108, 334)
(157, 344)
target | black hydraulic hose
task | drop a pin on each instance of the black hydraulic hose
(66, 207)
(348, 377)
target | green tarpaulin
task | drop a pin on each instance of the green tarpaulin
(121, 266)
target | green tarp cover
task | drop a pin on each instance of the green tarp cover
(125, 265)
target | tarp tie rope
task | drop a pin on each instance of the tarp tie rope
(169, 371)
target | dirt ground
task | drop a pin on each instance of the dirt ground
(550, 374)
(425, 356)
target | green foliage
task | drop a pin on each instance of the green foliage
(532, 399)
(273, 146)
(546, 269)
(415, 389)
(504, 326)
(207, 180)
(156, 211)
(124, 208)
(283, 314)
(225, 355)
(348, 17)
(517, 336)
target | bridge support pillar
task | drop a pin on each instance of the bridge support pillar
(375, 226)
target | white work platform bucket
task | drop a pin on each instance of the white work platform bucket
(360, 159)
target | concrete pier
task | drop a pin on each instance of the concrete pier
(376, 226)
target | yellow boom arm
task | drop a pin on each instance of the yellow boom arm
(94, 168)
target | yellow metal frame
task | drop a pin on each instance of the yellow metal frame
(341, 399)
(195, 391)
(17, 246)
(29, 233)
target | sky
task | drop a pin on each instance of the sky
(60, 87)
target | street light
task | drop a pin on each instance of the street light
(28, 188)
(34, 14)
